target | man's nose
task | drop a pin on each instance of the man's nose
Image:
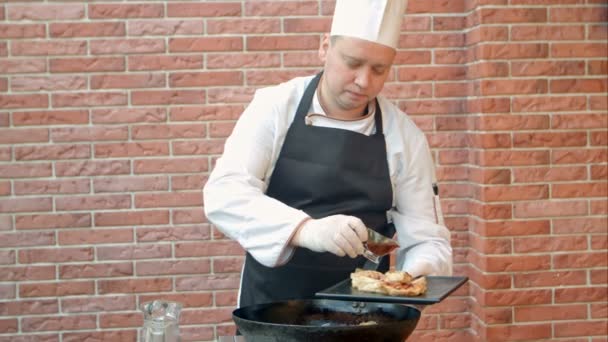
(363, 78)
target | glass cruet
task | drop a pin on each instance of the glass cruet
(161, 321)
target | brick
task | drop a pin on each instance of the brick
(226, 298)
(412, 57)
(449, 56)
(549, 174)
(217, 248)
(172, 199)
(89, 99)
(263, 77)
(52, 152)
(120, 81)
(512, 228)
(115, 335)
(303, 25)
(29, 307)
(579, 86)
(549, 279)
(581, 328)
(228, 265)
(578, 14)
(549, 208)
(547, 68)
(92, 168)
(55, 255)
(91, 29)
(24, 101)
(126, 46)
(431, 40)
(13, 205)
(553, 32)
(283, 8)
(120, 320)
(264, 43)
(7, 257)
(580, 294)
(599, 242)
(138, 149)
(96, 133)
(517, 297)
(486, 70)
(5, 188)
(52, 221)
(203, 147)
(57, 289)
(204, 10)
(45, 12)
(25, 170)
(579, 121)
(396, 90)
(580, 260)
(208, 282)
(599, 138)
(448, 23)
(93, 202)
(489, 105)
(48, 48)
(12, 31)
(172, 267)
(94, 236)
(513, 158)
(556, 139)
(568, 156)
(25, 273)
(180, 233)
(167, 97)
(188, 216)
(115, 11)
(518, 333)
(188, 182)
(23, 239)
(549, 103)
(220, 130)
(172, 165)
(134, 285)
(599, 171)
(96, 270)
(165, 27)
(54, 323)
(98, 304)
(128, 115)
(517, 263)
(598, 102)
(48, 83)
(23, 135)
(205, 44)
(206, 79)
(584, 190)
(21, 66)
(7, 291)
(9, 325)
(243, 26)
(549, 244)
(162, 62)
(512, 193)
(140, 217)
(579, 225)
(599, 277)
(513, 51)
(130, 184)
(482, 34)
(87, 64)
(59, 117)
(229, 95)
(168, 131)
(512, 15)
(513, 87)
(598, 32)
(247, 60)
(3, 49)
(569, 50)
(133, 252)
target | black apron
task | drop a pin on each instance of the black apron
(322, 171)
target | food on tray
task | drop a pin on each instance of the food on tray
(393, 283)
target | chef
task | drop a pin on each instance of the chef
(314, 161)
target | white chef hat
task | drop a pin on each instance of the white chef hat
(378, 21)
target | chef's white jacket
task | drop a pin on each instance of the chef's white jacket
(235, 200)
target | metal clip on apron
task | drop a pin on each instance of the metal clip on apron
(322, 171)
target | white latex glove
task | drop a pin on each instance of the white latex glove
(338, 234)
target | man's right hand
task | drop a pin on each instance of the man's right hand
(338, 234)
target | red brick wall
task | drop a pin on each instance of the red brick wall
(111, 114)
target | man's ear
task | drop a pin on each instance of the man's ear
(324, 47)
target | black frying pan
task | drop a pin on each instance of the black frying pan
(325, 320)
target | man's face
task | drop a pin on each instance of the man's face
(355, 71)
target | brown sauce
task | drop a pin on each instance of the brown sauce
(381, 248)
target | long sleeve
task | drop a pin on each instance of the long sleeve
(425, 241)
(234, 195)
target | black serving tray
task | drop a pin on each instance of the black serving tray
(437, 289)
